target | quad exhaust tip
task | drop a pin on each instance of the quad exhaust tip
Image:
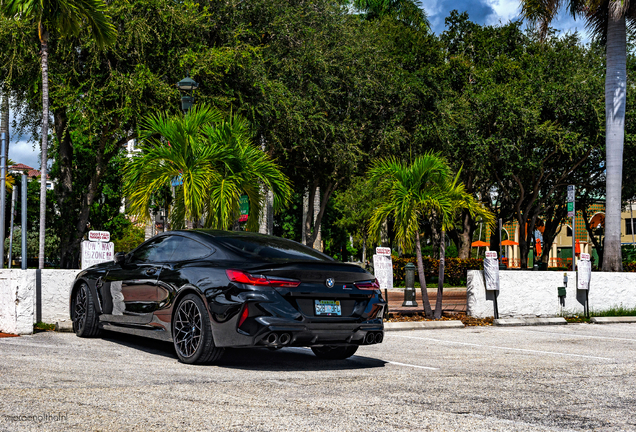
(276, 339)
(373, 338)
(285, 338)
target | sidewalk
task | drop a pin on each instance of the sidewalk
(453, 300)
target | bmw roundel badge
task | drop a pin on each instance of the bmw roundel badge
(330, 283)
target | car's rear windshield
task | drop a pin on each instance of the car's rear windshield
(272, 248)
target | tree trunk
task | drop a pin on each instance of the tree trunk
(440, 283)
(466, 235)
(45, 136)
(313, 218)
(420, 273)
(615, 99)
(435, 241)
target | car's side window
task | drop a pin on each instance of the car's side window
(159, 250)
(142, 254)
(165, 250)
(189, 249)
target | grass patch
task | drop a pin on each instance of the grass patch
(611, 312)
(615, 311)
(40, 326)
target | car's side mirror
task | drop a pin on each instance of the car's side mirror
(120, 258)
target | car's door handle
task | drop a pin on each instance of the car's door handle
(151, 271)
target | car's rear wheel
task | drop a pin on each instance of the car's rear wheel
(332, 352)
(192, 332)
(85, 322)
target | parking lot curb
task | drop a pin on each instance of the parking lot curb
(613, 320)
(529, 321)
(422, 325)
(64, 326)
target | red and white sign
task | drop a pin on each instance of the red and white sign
(585, 256)
(99, 236)
(491, 254)
(97, 252)
(383, 251)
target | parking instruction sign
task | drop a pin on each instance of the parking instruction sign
(583, 272)
(491, 271)
(98, 249)
(383, 267)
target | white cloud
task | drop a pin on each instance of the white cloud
(506, 9)
(24, 152)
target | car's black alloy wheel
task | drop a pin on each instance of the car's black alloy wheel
(192, 332)
(84, 315)
(331, 352)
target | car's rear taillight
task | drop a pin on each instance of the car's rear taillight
(368, 285)
(244, 314)
(250, 279)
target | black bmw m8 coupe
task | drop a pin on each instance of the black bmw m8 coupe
(206, 290)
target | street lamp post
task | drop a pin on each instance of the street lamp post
(187, 86)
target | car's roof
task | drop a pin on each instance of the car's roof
(213, 237)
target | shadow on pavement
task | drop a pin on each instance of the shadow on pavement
(258, 359)
(151, 346)
(290, 359)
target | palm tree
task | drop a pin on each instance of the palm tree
(214, 159)
(608, 20)
(63, 17)
(455, 192)
(413, 192)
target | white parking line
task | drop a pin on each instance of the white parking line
(504, 348)
(410, 365)
(361, 358)
(576, 335)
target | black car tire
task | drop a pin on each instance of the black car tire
(85, 321)
(335, 352)
(192, 332)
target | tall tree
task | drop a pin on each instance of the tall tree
(518, 125)
(409, 12)
(64, 18)
(608, 21)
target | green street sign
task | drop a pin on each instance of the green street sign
(570, 206)
(244, 207)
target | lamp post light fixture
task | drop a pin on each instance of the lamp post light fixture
(187, 87)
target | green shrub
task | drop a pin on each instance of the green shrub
(455, 269)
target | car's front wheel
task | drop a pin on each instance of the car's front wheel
(85, 321)
(335, 352)
(192, 332)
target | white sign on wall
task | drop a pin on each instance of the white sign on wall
(491, 271)
(583, 272)
(97, 252)
(383, 270)
(99, 236)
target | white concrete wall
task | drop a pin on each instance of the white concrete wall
(56, 288)
(17, 290)
(534, 294)
(18, 298)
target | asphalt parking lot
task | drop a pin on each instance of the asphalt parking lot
(575, 377)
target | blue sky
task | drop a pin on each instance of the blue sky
(491, 12)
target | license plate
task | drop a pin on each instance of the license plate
(328, 307)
